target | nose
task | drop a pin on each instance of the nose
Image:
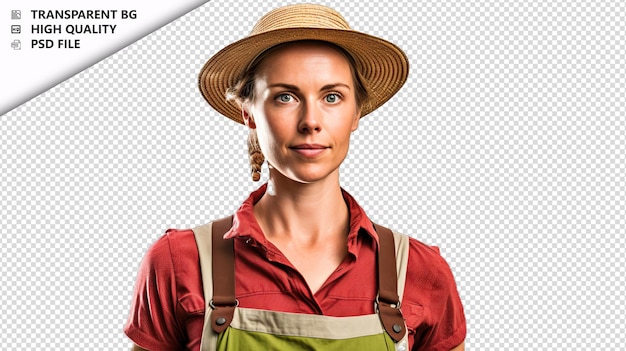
(309, 119)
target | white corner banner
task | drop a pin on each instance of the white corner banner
(43, 42)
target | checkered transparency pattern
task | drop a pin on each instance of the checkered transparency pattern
(506, 148)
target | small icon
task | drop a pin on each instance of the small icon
(16, 29)
(16, 45)
(16, 14)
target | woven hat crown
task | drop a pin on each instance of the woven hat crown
(300, 16)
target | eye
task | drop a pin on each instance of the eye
(332, 98)
(286, 98)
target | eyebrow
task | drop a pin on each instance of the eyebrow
(295, 88)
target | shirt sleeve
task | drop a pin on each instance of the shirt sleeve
(431, 303)
(153, 323)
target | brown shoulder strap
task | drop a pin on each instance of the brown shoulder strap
(223, 302)
(388, 300)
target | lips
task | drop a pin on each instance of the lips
(309, 150)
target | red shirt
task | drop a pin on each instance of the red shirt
(167, 311)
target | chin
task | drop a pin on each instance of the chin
(308, 176)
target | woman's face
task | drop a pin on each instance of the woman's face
(304, 110)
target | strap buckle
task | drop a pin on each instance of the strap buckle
(395, 305)
(213, 306)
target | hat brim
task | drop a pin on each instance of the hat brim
(383, 65)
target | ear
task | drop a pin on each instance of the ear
(248, 120)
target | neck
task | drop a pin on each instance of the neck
(304, 211)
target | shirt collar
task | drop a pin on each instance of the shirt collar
(245, 224)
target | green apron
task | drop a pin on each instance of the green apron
(228, 327)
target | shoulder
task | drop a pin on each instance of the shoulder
(427, 267)
(175, 243)
(170, 271)
(182, 243)
(431, 303)
(161, 300)
(425, 255)
(171, 265)
(428, 274)
(169, 260)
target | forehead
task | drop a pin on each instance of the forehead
(301, 54)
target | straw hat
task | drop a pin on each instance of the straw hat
(383, 65)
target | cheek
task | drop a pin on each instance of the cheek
(269, 138)
(343, 128)
(276, 127)
(355, 122)
(264, 138)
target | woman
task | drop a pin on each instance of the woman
(299, 266)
